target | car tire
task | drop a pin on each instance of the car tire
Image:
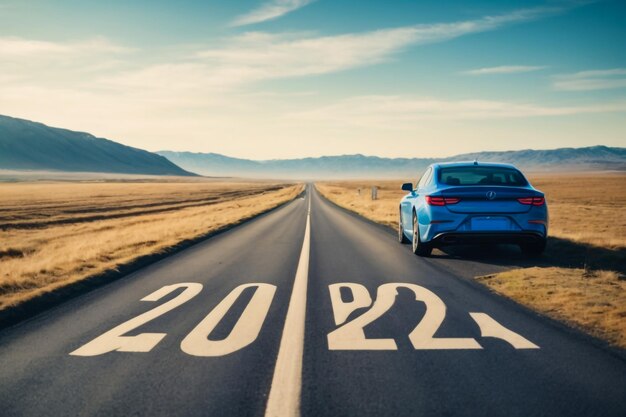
(419, 248)
(401, 236)
(534, 249)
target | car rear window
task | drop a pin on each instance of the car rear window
(481, 175)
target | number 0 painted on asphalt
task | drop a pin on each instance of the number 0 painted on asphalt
(246, 329)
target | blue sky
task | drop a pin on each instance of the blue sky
(290, 78)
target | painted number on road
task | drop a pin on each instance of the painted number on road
(114, 339)
(245, 331)
(351, 336)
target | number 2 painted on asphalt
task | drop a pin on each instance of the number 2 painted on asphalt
(114, 339)
(245, 331)
(351, 336)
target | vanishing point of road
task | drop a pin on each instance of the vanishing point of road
(307, 310)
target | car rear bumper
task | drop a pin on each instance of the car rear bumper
(456, 238)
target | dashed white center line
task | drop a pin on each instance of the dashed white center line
(284, 398)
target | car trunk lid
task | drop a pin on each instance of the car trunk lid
(489, 199)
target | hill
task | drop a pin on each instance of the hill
(597, 158)
(27, 145)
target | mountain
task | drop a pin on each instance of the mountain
(589, 158)
(26, 145)
(360, 166)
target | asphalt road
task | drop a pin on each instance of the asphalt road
(324, 314)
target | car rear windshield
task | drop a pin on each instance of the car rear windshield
(477, 175)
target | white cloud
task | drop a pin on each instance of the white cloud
(591, 80)
(53, 65)
(504, 69)
(203, 93)
(256, 56)
(400, 112)
(269, 11)
(14, 47)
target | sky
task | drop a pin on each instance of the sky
(265, 79)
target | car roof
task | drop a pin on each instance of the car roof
(472, 163)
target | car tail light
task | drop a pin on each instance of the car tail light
(441, 201)
(435, 201)
(535, 201)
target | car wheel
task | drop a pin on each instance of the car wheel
(401, 236)
(419, 248)
(534, 249)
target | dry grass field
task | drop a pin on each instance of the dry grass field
(594, 301)
(56, 233)
(581, 279)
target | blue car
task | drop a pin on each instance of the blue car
(473, 203)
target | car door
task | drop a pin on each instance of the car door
(425, 187)
(408, 203)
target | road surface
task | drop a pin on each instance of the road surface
(307, 310)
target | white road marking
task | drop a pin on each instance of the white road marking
(114, 339)
(284, 397)
(491, 328)
(351, 335)
(423, 336)
(342, 309)
(245, 331)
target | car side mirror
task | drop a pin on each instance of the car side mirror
(407, 186)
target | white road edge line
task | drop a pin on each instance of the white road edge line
(284, 397)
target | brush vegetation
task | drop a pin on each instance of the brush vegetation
(54, 234)
(581, 278)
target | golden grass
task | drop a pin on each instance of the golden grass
(586, 208)
(591, 301)
(55, 234)
(588, 226)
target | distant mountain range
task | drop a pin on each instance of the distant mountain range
(360, 166)
(26, 145)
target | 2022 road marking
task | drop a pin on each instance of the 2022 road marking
(348, 336)
(351, 336)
